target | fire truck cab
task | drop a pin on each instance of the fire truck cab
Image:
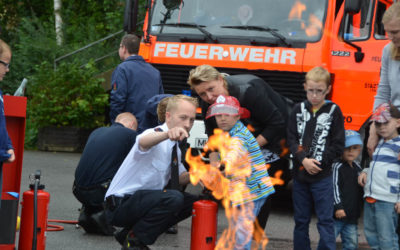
(278, 41)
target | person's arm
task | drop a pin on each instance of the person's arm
(383, 93)
(373, 139)
(151, 139)
(119, 93)
(264, 112)
(184, 178)
(10, 150)
(335, 148)
(293, 136)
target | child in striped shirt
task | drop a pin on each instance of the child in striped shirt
(244, 151)
(381, 181)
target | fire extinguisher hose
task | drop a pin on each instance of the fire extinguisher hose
(51, 227)
(34, 239)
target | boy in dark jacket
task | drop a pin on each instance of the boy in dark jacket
(315, 137)
(347, 192)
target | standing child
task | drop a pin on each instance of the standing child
(381, 181)
(227, 112)
(315, 137)
(347, 192)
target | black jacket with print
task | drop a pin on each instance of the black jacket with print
(319, 136)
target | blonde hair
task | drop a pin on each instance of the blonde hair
(162, 108)
(204, 73)
(319, 74)
(392, 13)
(4, 48)
(174, 101)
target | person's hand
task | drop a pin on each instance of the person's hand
(12, 157)
(362, 179)
(177, 134)
(397, 207)
(311, 166)
(340, 214)
(372, 140)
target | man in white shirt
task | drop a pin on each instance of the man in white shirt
(136, 198)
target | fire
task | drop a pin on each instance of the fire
(229, 186)
(314, 23)
(297, 10)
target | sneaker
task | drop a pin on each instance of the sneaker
(121, 235)
(133, 243)
(172, 230)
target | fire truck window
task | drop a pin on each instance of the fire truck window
(379, 29)
(338, 5)
(359, 25)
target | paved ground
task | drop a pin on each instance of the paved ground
(58, 169)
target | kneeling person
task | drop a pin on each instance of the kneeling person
(136, 199)
(104, 152)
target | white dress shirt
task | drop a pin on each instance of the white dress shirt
(145, 170)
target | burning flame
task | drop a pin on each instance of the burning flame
(297, 10)
(230, 186)
(314, 24)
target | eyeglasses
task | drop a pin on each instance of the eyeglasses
(317, 92)
(7, 65)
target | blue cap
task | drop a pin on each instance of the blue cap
(352, 138)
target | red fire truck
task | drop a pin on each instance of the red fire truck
(277, 40)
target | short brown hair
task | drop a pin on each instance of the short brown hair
(173, 101)
(318, 74)
(203, 73)
(131, 43)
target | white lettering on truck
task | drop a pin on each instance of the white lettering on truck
(233, 53)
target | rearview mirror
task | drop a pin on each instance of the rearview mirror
(352, 6)
(130, 16)
(171, 4)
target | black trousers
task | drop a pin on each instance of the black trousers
(92, 199)
(150, 213)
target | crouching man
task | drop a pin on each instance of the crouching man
(136, 199)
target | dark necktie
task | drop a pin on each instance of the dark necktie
(174, 168)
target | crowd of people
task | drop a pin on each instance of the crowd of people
(142, 189)
(131, 174)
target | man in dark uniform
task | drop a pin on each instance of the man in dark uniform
(104, 152)
(133, 82)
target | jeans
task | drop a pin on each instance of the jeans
(348, 233)
(319, 194)
(380, 222)
(243, 232)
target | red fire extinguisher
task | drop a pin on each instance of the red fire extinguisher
(204, 225)
(34, 212)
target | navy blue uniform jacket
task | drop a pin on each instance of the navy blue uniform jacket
(133, 83)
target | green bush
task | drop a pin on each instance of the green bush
(69, 96)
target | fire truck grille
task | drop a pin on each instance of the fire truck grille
(289, 84)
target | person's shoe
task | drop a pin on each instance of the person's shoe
(86, 222)
(101, 223)
(172, 230)
(121, 235)
(133, 243)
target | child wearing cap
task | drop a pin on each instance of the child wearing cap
(346, 191)
(381, 181)
(227, 112)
